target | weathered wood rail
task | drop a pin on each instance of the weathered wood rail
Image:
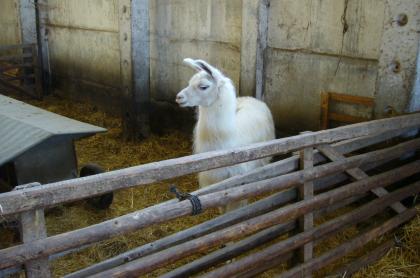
(322, 179)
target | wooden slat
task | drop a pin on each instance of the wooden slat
(231, 251)
(262, 40)
(358, 174)
(367, 101)
(15, 66)
(275, 262)
(140, 40)
(342, 118)
(43, 46)
(19, 77)
(32, 227)
(348, 269)
(291, 164)
(252, 273)
(306, 192)
(351, 245)
(324, 110)
(326, 115)
(10, 58)
(15, 46)
(39, 89)
(18, 88)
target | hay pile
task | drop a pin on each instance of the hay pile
(111, 152)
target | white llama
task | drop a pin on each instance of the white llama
(224, 121)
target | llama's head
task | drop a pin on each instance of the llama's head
(203, 87)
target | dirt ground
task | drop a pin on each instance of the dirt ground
(111, 152)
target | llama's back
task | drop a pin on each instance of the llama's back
(255, 124)
(254, 121)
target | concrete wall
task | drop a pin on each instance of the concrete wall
(207, 29)
(9, 22)
(320, 46)
(312, 47)
(344, 46)
(83, 41)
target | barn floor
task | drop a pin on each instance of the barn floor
(111, 152)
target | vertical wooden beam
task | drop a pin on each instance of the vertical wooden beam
(263, 9)
(140, 39)
(253, 47)
(124, 14)
(32, 227)
(414, 105)
(29, 35)
(397, 60)
(325, 99)
(38, 90)
(249, 44)
(43, 49)
(27, 17)
(126, 72)
(306, 192)
(135, 66)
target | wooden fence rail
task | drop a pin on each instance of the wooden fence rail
(350, 246)
(161, 213)
(80, 188)
(170, 255)
(228, 219)
(323, 167)
(319, 232)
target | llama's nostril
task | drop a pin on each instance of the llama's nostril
(179, 98)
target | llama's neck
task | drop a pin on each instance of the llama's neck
(221, 114)
(217, 123)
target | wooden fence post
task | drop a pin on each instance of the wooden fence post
(39, 90)
(29, 35)
(43, 49)
(126, 71)
(32, 227)
(253, 47)
(263, 9)
(306, 192)
(135, 66)
(140, 43)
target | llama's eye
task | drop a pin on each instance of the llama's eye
(203, 87)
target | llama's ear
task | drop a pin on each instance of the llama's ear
(199, 65)
(206, 67)
(212, 71)
(191, 63)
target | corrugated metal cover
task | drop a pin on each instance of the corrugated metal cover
(23, 126)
